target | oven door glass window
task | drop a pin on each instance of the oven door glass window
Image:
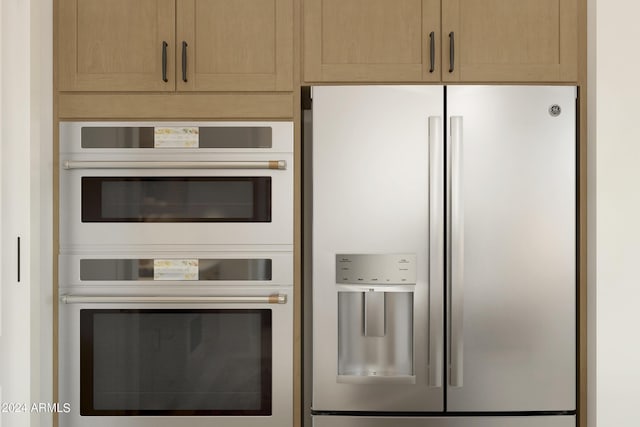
(176, 199)
(175, 362)
(236, 137)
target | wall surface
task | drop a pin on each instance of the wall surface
(614, 189)
(25, 210)
(15, 327)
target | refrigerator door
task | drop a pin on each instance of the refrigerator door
(512, 264)
(377, 344)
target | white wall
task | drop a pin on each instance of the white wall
(614, 136)
(15, 345)
(25, 198)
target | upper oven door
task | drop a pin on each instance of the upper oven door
(206, 184)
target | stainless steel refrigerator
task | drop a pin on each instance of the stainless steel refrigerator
(443, 256)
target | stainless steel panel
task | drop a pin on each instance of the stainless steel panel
(122, 266)
(517, 265)
(506, 421)
(376, 269)
(107, 137)
(370, 195)
(143, 269)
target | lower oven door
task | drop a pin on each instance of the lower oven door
(161, 361)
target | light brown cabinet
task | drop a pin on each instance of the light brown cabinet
(168, 45)
(475, 40)
(511, 40)
(115, 45)
(371, 40)
(235, 45)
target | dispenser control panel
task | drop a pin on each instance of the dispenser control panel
(376, 269)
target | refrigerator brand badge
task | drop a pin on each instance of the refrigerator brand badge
(555, 110)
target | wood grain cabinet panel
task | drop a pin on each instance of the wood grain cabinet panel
(221, 45)
(475, 40)
(235, 45)
(115, 45)
(511, 40)
(370, 40)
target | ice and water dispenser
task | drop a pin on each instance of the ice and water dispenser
(375, 317)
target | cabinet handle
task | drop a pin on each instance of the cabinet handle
(432, 51)
(184, 61)
(164, 62)
(19, 262)
(452, 53)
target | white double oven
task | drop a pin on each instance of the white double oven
(176, 274)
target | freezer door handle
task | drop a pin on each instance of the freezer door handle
(456, 276)
(436, 251)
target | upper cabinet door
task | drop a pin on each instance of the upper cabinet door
(510, 40)
(116, 45)
(371, 40)
(235, 45)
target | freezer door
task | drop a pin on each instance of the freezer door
(489, 421)
(512, 248)
(377, 346)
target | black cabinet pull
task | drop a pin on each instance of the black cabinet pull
(19, 259)
(164, 61)
(184, 61)
(432, 51)
(452, 53)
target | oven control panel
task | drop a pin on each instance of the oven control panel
(376, 269)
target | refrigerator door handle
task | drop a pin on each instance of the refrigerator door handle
(436, 252)
(456, 276)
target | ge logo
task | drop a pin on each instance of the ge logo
(555, 110)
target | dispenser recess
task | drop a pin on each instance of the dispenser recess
(375, 317)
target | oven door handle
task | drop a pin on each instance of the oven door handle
(269, 299)
(266, 164)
